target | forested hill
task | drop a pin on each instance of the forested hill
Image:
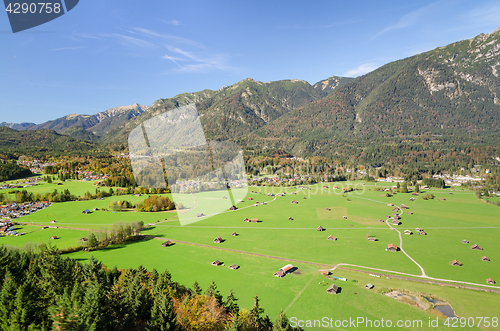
(42, 142)
(452, 91)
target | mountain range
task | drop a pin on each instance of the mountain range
(450, 93)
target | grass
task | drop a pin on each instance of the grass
(447, 222)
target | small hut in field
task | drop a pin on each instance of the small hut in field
(392, 248)
(465, 241)
(216, 263)
(218, 240)
(234, 266)
(167, 243)
(333, 289)
(476, 247)
(485, 259)
(234, 234)
(330, 237)
(455, 263)
(490, 281)
(320, 228)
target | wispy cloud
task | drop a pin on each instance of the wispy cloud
(129, 41)
(318, 26)
(484, 15)
(171, 22)
(410, 19)
(154, 34)
(68, 48)
(196, 61)
(361, 70)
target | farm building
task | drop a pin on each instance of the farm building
(403, 206)
(53, 221)
(390, 204)
(216, 263)
(484, 258)
(83, 239)
(369, 286)
(290, 219)
(325, 273)
(286, 269)
(167, 243)
(418, 229)
(304, 198)
(233, 207)
(54, 237)
(199, 215)
(234, 234)
(320, 228)
(392, 248)
(333, 289)
(408, 232)
(455, 263)
(422, 233)
(476, 247)
(86, 211)
(465, 241)
(294, 201)
(490, 281)
(330, 237)
(254, 220)
(218, 240)
(328, 209)
(410, 213)
(380, 220)
(246, 220)
(279, 274)
(443, 198)
(344, 217)
(414, 193)
(249, 198)
(372, 239)
(412, 199)
(234, 266)
(395, 222)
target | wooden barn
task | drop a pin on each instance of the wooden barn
(216, 263)
(320, 228)
(465, 241)
(234, 266)
(333, 289)
(392, 248)
(455, 263)
(233, 207)
(167, 243)
(234, 234)
(476, 247)
(218, 240)
(330, 237)
(485, 259)
(490, 281)
(372, 239)
(395, 222)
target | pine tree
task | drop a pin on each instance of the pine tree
(282, 323)
(212, 291)
(7, 297)
(196, 288)
(163, 316)
(230, 303)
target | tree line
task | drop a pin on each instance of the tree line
(42, 291)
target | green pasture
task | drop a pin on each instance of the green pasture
(447, 222)
(299, 293)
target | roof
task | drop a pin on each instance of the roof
(279, 274)
(287, 268)
(333, 289)
(392, 246)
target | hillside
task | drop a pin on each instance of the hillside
(238, 109)
(41, 142)
(451, 91)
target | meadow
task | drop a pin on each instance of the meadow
(302, 294)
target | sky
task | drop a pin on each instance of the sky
(109, 53)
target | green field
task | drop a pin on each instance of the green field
(447, 223)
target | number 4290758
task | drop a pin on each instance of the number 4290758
(33, 8)
(455, 322)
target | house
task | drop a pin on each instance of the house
(216, 263)
(294, 202)
(234, 266)
(249, 198)
(233, 207)
(83, 239)
(409, 213)
(246, 220)
(403, 206)
(234, 234)
(86, 211)
(380, 220)
(325, 273)
(53, 221)
(465, 241)
(490, 281)
(290, 219)
(422, 233)
(328, 209)
(419, 229)
(392, 248)
(390, 204)
(333, 289)
(412, 199)
(218, 240)
(476, 247)
(414, 193)
(304, 198)
(455, 263)
(443, 198)
(484, 258)
(279, 274)
(369, 286)
(199, 215)
(320, 228)
(344, 217)
(395, 222)
(167, 243)
(330, 237)
(408, 232)
(372, 239)
(254, 220)
(54, 237)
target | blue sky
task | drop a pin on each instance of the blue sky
(108, 53)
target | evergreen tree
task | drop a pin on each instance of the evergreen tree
(196, 288)
(212, 291)
(230, 303)
(163, 317)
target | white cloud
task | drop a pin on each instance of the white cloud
(197, 61)
(172, 22)
(361, 70)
